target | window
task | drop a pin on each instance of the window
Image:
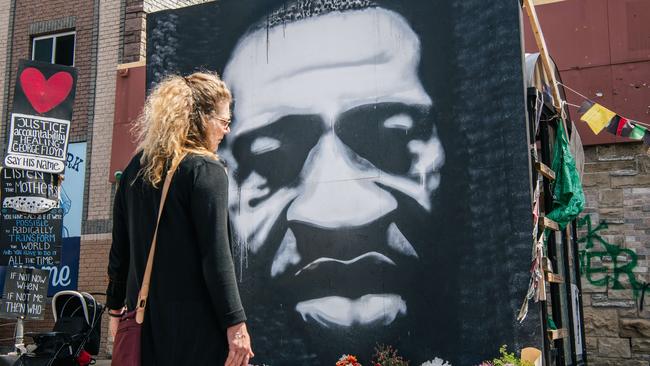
(54, 48)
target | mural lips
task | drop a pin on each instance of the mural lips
(368, 309)
(372, 256)
(355, 278)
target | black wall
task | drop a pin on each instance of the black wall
(473, 242)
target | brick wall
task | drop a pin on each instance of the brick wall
(134, 29)
(95, 241)
(156, 5)
(615, 258)
(134, 47)
(98, 188)
(50, 15)
(34, 18)
(92, 273)
(97, 26)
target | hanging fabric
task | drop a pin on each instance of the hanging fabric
(568, 197)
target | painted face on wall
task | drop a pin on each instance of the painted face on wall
(332, 141)
(379, 171)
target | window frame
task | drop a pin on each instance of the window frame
(54, 36)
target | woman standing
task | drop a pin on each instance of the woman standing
(194, 315)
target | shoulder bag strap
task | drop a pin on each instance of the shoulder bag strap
(146, 280)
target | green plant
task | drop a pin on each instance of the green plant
(387, 356)
(508, 359)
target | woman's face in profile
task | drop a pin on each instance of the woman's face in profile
(218, 124)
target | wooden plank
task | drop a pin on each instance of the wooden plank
(132, 65)
(547, 223)
(546, 60)
(554, 278)
(542, 2)
(555, 334)
(545, 170)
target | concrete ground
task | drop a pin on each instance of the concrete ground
(103, 363)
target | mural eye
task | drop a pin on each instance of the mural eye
(380, 133)
(401, 121)
(278, 150)
(264, 144)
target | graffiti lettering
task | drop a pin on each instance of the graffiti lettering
(597, 250)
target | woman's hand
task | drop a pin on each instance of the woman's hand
(114, 321)
(239, 346)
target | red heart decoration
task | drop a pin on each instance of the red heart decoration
(43, 94)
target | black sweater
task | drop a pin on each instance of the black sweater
(193, 296)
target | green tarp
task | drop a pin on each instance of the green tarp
(568, 197)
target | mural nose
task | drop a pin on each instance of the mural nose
(339, 188)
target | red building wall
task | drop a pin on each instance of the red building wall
(602, 49)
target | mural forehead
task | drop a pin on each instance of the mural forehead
(297, 10)
(270, 67)
(354, 168)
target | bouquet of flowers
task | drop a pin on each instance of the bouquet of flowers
(439, 362)
(506, 359)
(387, 356)
(348, 360)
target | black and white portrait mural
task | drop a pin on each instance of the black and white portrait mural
(379, 185)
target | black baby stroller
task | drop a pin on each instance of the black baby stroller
(75, 336)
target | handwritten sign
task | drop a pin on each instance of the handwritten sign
(63, 276)
(25, 293)
(30, 239)
(37, 143)
(40, 118)
(29, 191)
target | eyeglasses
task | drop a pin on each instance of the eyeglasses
(224, 121)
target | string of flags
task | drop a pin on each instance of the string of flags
(600, 118)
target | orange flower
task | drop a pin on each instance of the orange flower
(348, 360)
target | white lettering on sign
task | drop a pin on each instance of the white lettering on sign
(59, 277)
(37, 143)
(34, 163)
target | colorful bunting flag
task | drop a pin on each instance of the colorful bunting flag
(638, 132)
(585, 107)
(613, 126)
(626, 129)
(597, 117)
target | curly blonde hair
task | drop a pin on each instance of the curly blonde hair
(173, 121)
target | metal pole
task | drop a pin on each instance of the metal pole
(566, 251)
(20, 335)
(576, 265)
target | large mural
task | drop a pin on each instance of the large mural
(379, 188)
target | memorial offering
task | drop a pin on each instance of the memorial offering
(40, 120)
(29, 191)
(30, 239)
(25, 293)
